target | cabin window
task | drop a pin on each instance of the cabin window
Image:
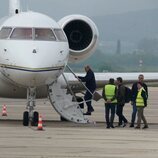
(44, 34)
(22, 33)
(60, 35)
(5, 32)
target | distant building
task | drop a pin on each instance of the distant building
(118, 49)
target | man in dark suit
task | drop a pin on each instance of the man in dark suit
(89, 79)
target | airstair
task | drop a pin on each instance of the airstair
(64, 104)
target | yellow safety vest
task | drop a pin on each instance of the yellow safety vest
(110, 92)
(139, 99)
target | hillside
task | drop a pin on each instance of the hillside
(131, 26)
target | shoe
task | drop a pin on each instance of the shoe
(137, 127)
(108, 127)
(92, 110)
(118, 125)
(145, 127)
(131, 125)
(112, 126)
(87, 113)
(123, 125)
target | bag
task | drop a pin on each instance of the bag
(128, 94)
(96, 96)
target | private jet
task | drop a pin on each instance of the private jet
(34, 53)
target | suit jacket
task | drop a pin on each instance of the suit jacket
(90, 80)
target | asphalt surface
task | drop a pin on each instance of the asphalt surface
(65, 139)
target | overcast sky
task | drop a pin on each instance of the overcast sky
(60, 8)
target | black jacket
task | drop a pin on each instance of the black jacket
(90, 80)
(144, 95)
(121, 95)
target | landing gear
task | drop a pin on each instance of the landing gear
(30, 116)
(35, 119)
(26, 118)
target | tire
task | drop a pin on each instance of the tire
(63, 119)
(26, 118)
(35, 119)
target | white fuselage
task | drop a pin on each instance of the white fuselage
(30, 59)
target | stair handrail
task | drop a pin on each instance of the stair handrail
(79, 80)
(69, 87)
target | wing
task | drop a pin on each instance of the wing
(102, 79)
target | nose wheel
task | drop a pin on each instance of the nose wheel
(33, 121)
(26, 118)
(30, 116)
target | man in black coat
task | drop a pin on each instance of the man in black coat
(134, 96)
(121, 102)
(89, 79)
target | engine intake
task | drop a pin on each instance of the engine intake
(82, 35)
(79, 34)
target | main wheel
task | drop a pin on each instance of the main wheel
(63, 119)
(26, 118)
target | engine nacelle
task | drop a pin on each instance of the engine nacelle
(82, 35)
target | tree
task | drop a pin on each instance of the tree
(148, 45)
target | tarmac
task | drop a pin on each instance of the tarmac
(69, 140)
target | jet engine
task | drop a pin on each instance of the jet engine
(82, 35)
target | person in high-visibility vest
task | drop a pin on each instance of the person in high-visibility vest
(141, 103)
(134, 96)
(109, 95)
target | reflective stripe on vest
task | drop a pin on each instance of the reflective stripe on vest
(110, 92)
(139, 99)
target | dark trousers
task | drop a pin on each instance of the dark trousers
(110, 107)
(120, 115)
(88, 98)
(134, 112)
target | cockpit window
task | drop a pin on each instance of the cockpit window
(40, 34)
(60, 35)
(5, 32)
(22, 33)
(44, 34)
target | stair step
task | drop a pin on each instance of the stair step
(64, 105)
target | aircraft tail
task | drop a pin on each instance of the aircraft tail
(14, 7)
